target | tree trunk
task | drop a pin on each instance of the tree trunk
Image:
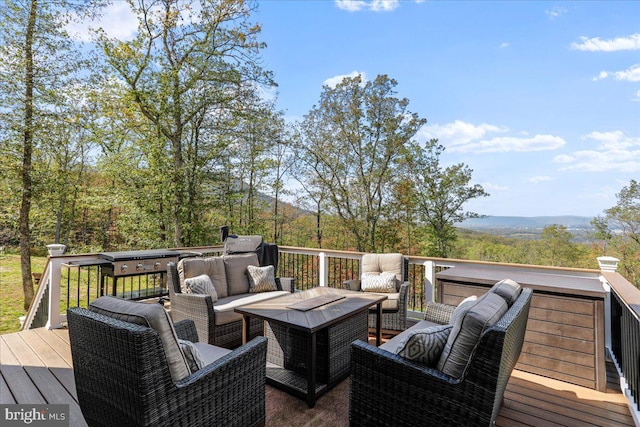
(25, 206)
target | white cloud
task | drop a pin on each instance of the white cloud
(117, 21)
(541, 178)
(332, 82)
(468, 138)
(631, 74)
(457, 133)
(507, 144)
(594, 44)
(494, 187)
(504, 45)
(556, 12)
(372, 5)
(615, 152)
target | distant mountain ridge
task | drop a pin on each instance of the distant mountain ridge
(523, 222)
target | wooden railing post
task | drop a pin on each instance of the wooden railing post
(323, 264)
(429, 281)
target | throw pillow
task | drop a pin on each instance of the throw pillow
(191, 353)
(385, 282)
(201, 285)
(261, 279)
(425, 345)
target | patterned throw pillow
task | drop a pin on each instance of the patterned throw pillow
(261, 279)
(201, 285)
(385, 282)
(425, 345)
(191, 353)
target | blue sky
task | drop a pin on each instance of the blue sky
(540, 99)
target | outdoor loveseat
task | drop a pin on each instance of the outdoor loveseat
(131, 369)
(215, 318)
(450, 369)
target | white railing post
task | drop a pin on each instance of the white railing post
(323, 263)
(55, 273)
(430, 281)
(607, 263)
(607, 312)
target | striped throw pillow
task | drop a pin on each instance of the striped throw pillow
(261, 279)
(424, 345)
(384, 282)
(201, 284)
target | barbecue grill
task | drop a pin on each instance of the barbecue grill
(137, 263)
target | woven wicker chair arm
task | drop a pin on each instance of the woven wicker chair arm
(286, 284)
(186, 330)
(438, 313)
(404, 292)
(351, 285)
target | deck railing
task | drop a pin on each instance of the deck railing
(625, 335)
(71, 281)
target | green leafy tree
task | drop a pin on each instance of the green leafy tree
(625, 216)
(38, 59)
(441, 193)
(556, 247)
(189, 63)
(350, 147)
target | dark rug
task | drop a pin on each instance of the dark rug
(331, 410)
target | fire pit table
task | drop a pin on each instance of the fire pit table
(310, 335)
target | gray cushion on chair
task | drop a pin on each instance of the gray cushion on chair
(153, 316)
(466, 332)
(211, 266)
(507, 289)
(235, 267)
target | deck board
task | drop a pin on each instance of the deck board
(35, 367)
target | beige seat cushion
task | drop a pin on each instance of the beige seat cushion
(152, 316)
(211, 266)
(224, 308)
(390, 304)
(235, 267)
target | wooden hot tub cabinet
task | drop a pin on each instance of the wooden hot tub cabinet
(565, 331)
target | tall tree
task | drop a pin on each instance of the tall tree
(442, 193)
(625, 216)
(189, 59)
(38, 58)
(351, 143)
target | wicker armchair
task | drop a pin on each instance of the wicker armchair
(394, 309)
(387, 389)
(123, 377)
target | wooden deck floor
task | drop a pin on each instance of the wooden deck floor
(36, 367)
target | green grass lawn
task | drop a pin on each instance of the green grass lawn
(11, 295)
